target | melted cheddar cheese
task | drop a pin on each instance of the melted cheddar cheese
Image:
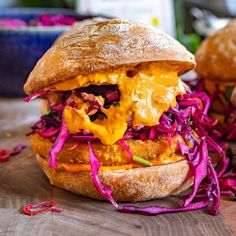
(145, 96)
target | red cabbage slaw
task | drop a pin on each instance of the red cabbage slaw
(156, 210)
(188, 119)
(58, 145)
(227, 176)
(5, 154)
(53, 20)
(35, 95)
(228, 130)
(12, 23)
(31, 209)
(44, 20)
(95, 165)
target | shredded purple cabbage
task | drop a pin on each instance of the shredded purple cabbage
(48, 132)
(54, 20)
(198, 164)
(228, 182)
(43, 20)
(95, 165)
(12, 23)
(126, 148)
(35, 95)
(223, 165)
(228, 128)
(156, 210)
(18, 149)
(58, 145)
(213, 189)
(5, 154)
(227, 177)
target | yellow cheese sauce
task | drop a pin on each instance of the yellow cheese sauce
(162, 160)
(145, 96)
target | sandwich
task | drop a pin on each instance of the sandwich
(120, 124)
(216, 67)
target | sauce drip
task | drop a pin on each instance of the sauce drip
(151, 91)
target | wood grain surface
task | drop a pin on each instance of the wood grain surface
(22, 182)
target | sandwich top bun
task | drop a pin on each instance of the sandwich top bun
(216, 56)
(103, 46)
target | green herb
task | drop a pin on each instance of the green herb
(101, 116)
(142, 161)
(234, 197)
(228, 91)
(223, 99)
(169, 115)
(190, 122)
(49, 113)
(116, 104)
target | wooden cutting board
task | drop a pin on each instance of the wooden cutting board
(22, 182)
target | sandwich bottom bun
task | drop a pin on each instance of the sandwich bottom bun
(137, 184)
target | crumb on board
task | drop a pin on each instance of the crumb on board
(29, 155)
(8, 135)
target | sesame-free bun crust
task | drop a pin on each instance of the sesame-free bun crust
(100, 46)
(216, 56)
(138, 184)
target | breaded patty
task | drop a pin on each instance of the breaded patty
(111, 155)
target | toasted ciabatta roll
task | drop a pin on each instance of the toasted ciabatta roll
(216, 66)
(104, 46)
(215, 56)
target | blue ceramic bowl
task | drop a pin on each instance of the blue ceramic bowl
(20, 49)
